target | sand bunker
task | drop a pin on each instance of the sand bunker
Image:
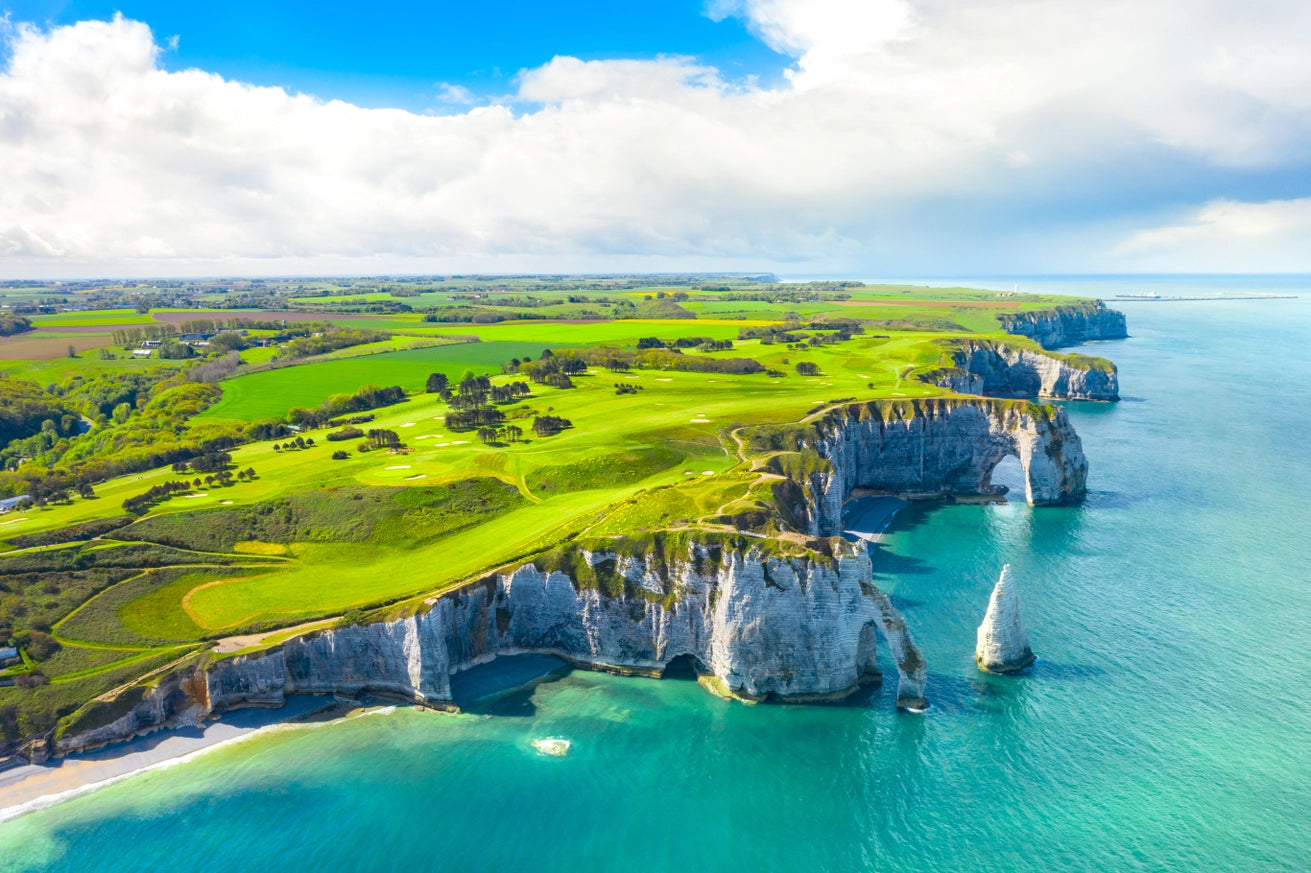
(399, 467)
(707, 472)
(420, 476)
(194, 496)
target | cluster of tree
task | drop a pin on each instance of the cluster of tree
(139, 420)
(346, 433)
(352, 419)
(813, 292)
(368, 397)
(511, 433)
(807, 368)
(552, 370)
(550, 425)
(142, 503)
(27, 409)
(265, 430)
(620, 360)
(216, 370)
(381, 439)
(11, 324)
(626, 388)
(330, 340)
(701, 343)
(770, 334)
(134, 336)
(299, 442)
(209, 462)
(174, 351)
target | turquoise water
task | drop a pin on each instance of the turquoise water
(1167, 725)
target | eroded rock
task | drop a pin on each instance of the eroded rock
(1002, 645)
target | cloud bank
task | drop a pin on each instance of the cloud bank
(927, 137)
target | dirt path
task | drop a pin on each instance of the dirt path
(229, 645)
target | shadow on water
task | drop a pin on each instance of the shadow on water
(887, 562)
(1044, 669)
(904, 603)
(505, 685)
(1111, 500)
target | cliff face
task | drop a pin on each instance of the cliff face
(786, 628)
(1002, 644)
(1067, 325)
(940, 448)
(999, 369)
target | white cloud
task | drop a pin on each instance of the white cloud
(1230, 236)
(901, 133)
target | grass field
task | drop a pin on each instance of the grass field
(271, 393)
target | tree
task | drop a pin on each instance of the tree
(72, 351)
(487, 434)
(807, 368)
(340, 455)
(513, 433)
(437, 383)
(250, 472)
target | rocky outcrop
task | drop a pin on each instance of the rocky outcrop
(1003, 644)
(935, 448)
(763, 625)
(1067, 325)
(1002, 370)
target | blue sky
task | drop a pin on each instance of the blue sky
(865, 137)
(395, 54)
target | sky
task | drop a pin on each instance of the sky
(804, 137)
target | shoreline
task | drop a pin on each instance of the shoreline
(30, 787)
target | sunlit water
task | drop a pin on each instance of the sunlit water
(1167, 725)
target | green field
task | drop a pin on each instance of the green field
(271, 393)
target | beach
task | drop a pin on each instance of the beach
(867, 517)
(35, 786)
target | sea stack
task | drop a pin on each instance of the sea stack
(1003, 646)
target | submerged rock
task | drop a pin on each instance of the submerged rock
(1003, 644)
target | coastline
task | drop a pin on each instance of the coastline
(30, 787)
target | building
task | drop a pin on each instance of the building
(9, 504)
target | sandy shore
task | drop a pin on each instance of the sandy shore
(867, 517)
(35, 786)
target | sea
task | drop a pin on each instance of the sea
(1165, 727)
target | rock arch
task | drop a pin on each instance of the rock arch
(940, 448)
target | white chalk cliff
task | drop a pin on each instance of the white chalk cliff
(1003, 644)
(1067, 325)
(1013, 371)
(760, 626)
(934, 448)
